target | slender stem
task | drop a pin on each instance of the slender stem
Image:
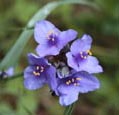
(15, 29)
(69, 110)
(12, 77)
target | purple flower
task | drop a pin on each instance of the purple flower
(7, 73)
(69, 87)
(51, 40)
(80, 57)
(38, 73)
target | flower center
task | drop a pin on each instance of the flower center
(74, 81)
(52, 38)
(38, 70)
(85, 54)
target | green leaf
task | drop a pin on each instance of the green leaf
(15, 52)
(27, 104)
(6, 110)
(13, 55)
(45, 11)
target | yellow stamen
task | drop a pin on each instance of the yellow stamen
(73, 80)
(37, 67)
(53, 39)
(49, 33)
(42, 68)
(67, 83)
(78, 78)
(36, 73)
(82, 56)
(89, 52)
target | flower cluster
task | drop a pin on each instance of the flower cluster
(66, 79)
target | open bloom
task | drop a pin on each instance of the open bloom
(79, 57)
(38, 73)
(69, 87)
(51, 40)
(7, 73)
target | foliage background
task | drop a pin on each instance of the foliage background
(102, 25)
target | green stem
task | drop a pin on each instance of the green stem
(16, 29)
(69, 110)
(12, 77)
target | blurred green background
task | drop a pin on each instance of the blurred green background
(102, 25)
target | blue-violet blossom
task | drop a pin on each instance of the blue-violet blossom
(71, 86)
(38, 73)
(50, 39)
(7, 73)
(79, 57)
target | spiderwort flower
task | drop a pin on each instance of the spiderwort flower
(7, 73)
(80, 57)
(51, 40)
(38, 73)
(69, 87)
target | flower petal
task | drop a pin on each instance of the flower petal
(51, 77)
(10, 71)
(88, 82)
(64, 89)
(28, 72)
(66, 36)
(33, 83)
(44, 50)
(68, 99)
(35, 60)
(81, 45)
(68, 94)
(41, 30)
(91, 65)
(78, 82)
(71, 61)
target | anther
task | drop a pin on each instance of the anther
(36, 73)
(37, 67)
(53, 39)
(73, 80)
(82, 56)
(78, 78)
(42, 68)
(67, 83)
(49, 33)
(89, 52)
